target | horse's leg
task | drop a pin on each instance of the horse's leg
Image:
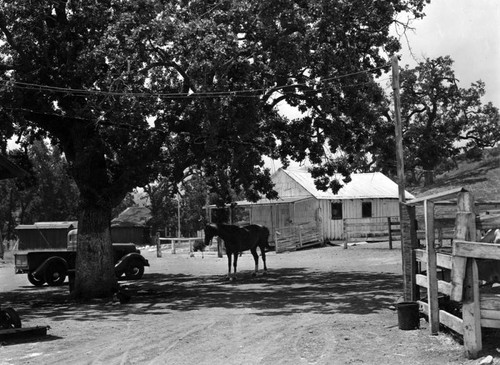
(256, 259)
(263, 253)
(234, 265)
(228, 265)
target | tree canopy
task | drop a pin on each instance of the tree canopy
(131, 90)
(440, 119)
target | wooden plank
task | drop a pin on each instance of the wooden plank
(22, 333)
(432, 287)
(438, 196)
(488, 221)
(465, 229)
(451, 321)
(478, 250)
(490, 302)
(471, 311)
(442, 260)
(443, 286)
(490, 314)
(490, 323)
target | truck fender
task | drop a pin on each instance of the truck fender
(122, 264)
(40, 270)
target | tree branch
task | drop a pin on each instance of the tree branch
(8, 35)
(169, 63)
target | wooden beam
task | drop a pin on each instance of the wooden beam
(465, 228)
(438, 196)
(432, 284)
(471, 311)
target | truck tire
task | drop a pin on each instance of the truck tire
(55, 274)
(135, 270)
(9, 319)
(33, 280)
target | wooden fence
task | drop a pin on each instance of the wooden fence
(375, 228)
(450, 276)
(294, 237)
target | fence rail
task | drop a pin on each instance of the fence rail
(293, 237)
(365, 229)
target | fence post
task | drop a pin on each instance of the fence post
(173, 247)
(390, 232)
(432, 284)
(346, 236)
(465, 228)
(158, 245)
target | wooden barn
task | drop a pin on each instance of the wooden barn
(307, 214)
(132, 226)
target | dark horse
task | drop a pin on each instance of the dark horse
(239, 239)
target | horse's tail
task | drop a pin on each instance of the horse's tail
(265, 238)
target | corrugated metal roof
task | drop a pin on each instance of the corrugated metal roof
(275, 201)
(362, 185)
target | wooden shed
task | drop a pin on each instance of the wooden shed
(303, 210)
(132, 226)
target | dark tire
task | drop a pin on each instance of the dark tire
(35, 281)
(134, 270)
(55, 274)
(9, 319)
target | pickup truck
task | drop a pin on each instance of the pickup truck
(52, 266)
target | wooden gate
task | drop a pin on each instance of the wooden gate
(293, 237)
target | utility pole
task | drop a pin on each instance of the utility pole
(406, 213)
(399, 133)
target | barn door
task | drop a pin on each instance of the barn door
(283, 218)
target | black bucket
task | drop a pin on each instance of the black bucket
(408, 315)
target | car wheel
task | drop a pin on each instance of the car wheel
(9, 319)
(55, 274)
(134, 270)
(33, 280)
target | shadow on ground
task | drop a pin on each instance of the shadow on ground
(280, 292)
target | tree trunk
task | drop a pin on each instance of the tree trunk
(428, 177)
(95, 277)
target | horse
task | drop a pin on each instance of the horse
(489, 270)
(239, 239)
(492, 236)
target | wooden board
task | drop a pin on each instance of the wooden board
(22, 333)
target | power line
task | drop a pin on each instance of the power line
(246, 93)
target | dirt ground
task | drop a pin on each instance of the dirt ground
(318, 306)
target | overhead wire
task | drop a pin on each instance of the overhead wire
(246, 93)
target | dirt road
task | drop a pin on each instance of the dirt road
(320, 306)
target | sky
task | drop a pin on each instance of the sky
(466, 30)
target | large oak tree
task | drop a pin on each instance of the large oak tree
(440, 119)
(133, 89)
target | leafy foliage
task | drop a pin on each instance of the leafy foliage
(440, 119)
(131, 90)
(48, 194)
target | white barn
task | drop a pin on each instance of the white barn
(301, 204)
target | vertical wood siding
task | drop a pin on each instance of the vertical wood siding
(333, 229)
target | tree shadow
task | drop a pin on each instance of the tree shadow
(281, 292)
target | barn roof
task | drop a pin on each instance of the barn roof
(271, 202)
(370, 185)
(133, 217)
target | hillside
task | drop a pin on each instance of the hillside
(481, 178)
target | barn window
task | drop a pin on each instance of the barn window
(366, 209)
(336, 210)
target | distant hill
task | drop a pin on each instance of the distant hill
(481, 178)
